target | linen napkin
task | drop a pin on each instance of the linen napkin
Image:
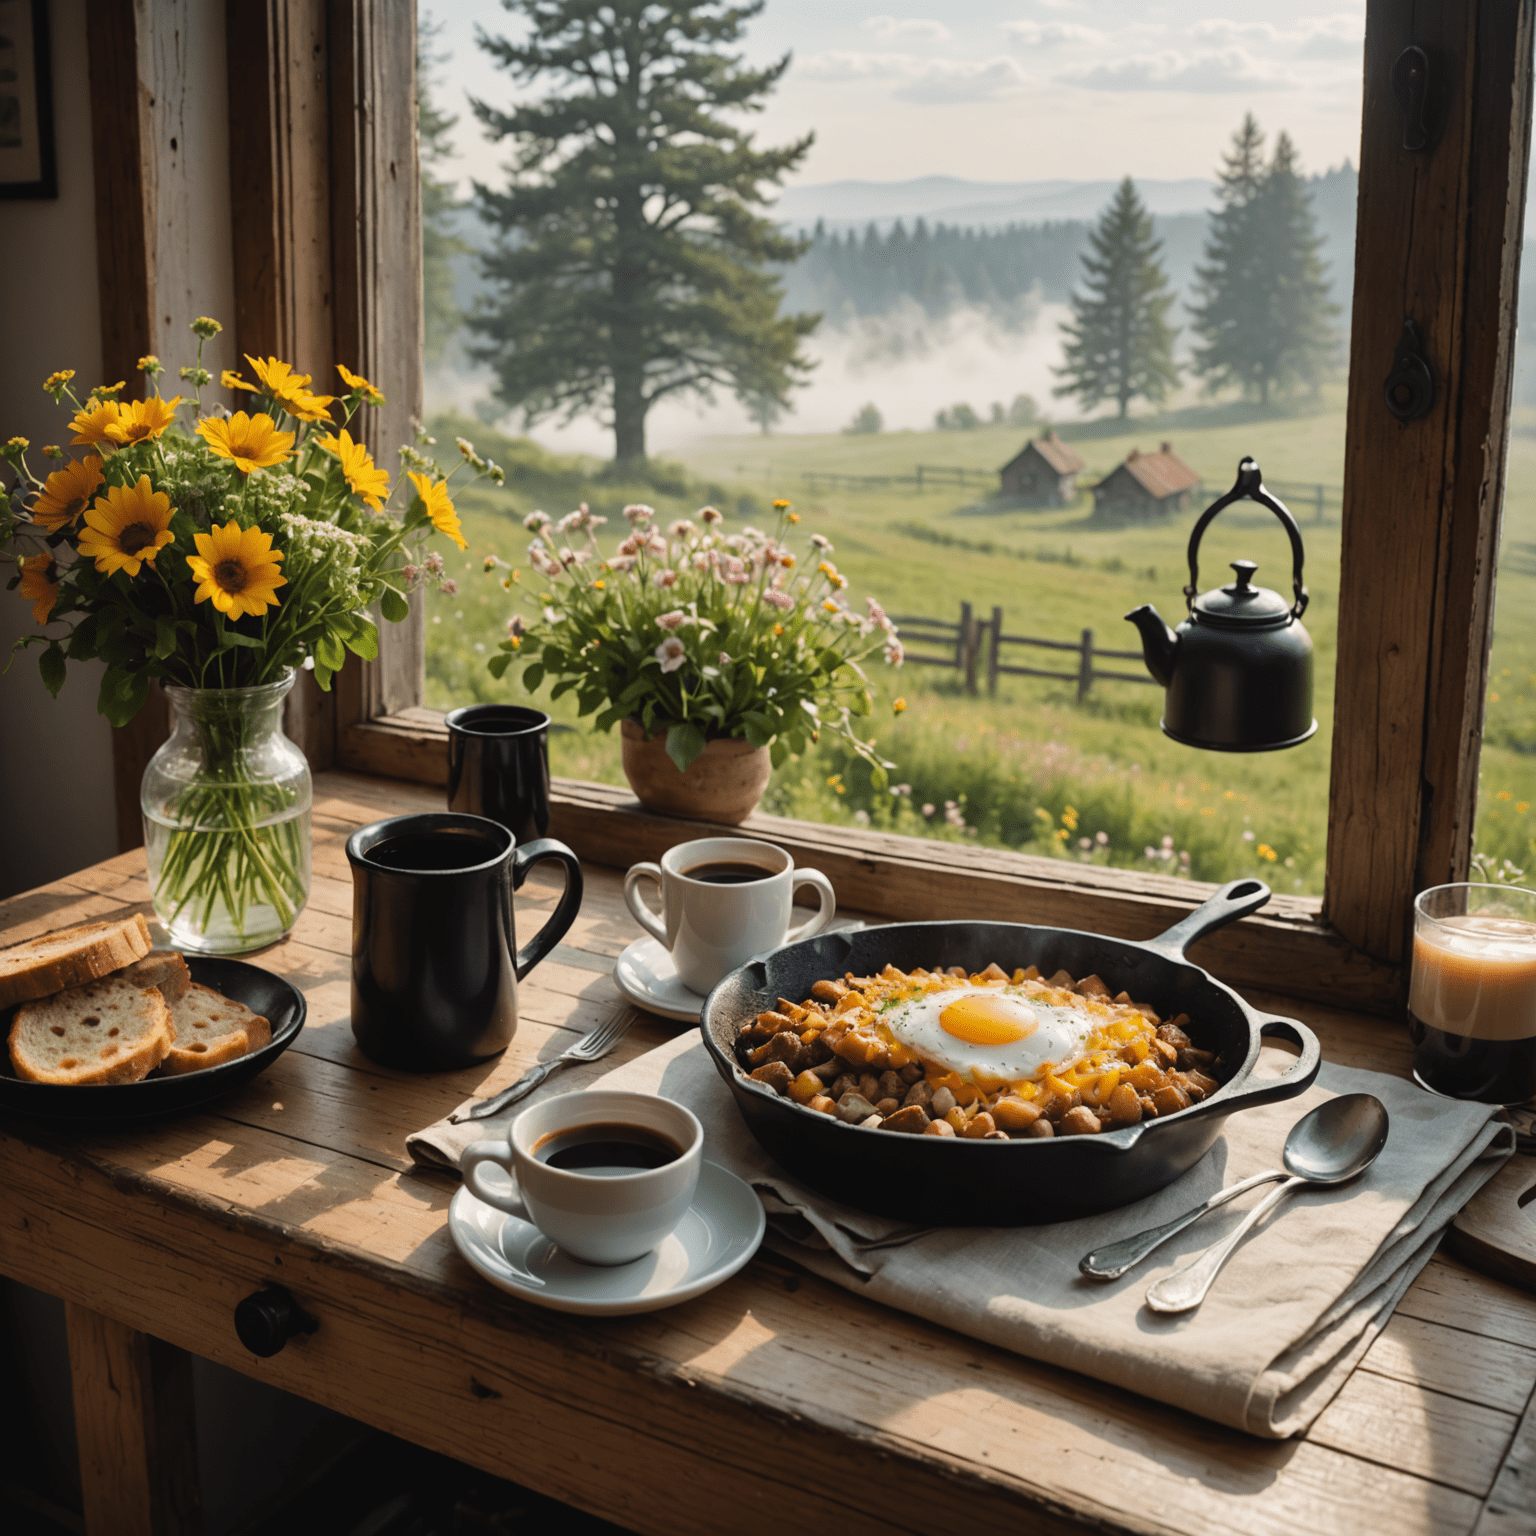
(1288, 1318)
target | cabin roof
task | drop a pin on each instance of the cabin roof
(1159, 474)
(1061, 459)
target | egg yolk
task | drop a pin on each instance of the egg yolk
(987, 1019)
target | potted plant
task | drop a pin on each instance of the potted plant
(716, 654)
(217, 559)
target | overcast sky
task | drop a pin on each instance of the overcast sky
(1012, 90)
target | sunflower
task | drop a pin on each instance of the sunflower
(127, 527)
(66, 493)
(94, 424)
(439, 508)
(229, 379)
(40, 585)
(253, 442)
(291, 390)
(237, 568)
(366, 481)
(143, 420)
(359, 385)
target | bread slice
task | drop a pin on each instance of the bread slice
(70, 957)
(107, 1031)
(163, 969)
(212, 1029)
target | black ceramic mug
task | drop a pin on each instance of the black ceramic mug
(498, 766)
(435, 963)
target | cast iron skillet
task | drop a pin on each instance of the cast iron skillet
(950, 1181)
(276, 1000)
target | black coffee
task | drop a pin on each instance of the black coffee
(609, 1145)
(1491, 1071)
(440, 851)
(728, 872)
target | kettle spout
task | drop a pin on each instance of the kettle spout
(1158, 642)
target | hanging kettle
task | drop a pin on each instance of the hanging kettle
(1238, 670)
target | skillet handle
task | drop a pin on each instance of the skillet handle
(1296, 1081)
(1237, 898)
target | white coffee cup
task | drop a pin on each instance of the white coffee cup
(710, 928)
(600, 1215)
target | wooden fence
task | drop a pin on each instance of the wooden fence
(960, 646)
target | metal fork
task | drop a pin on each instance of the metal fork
(591, 1047)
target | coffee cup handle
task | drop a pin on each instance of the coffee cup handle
(473, 1160)
(828, 904)
(641, 913)
(554, 929)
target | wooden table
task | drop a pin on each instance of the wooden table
(775, 1402)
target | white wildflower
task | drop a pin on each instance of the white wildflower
(709, 515)
(671, 621)
(667, 578)
(637, 512)
(780, 600)
(671, 653)
(536, 520)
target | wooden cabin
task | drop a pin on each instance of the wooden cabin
(1043, 473)
(1146, 488)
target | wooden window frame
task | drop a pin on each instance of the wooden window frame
(1438, 242)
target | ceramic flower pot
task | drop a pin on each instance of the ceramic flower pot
(723, 783)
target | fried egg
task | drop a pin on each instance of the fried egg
(1000, 1034)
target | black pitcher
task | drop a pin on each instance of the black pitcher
(435, 963)
(498, 766)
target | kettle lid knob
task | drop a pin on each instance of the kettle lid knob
(1245, 570)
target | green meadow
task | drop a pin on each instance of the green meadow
(1030, 769)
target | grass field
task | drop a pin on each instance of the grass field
(1032, 769)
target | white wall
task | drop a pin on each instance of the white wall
(55, 755)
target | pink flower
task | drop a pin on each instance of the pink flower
(709, 515)
(704, 560)
(681, 529)
(671, 621)
(780, 600)
(725, 660)
(895, 653)
(434, 562)
(621, 563)
(656, 545)
(877, 613)
(410, 572)
(671, 653)
(637, 512)
(666, 578)
(630, 546)
(450, 586)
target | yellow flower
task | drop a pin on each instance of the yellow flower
(355, 382)
(127, 527)
(205, 327)
(229, 379)
(16, 447)
(366, 481)
(55, 382)
(291, 390)
(780, 505)
(253, 442)
(52, 451)
(149, 364)
(65, 494)
(794, 517)
(95, 423)
(439, 507)
(104, 391)
(898, 706)
(40, 585)
(142, 421)
(237, 568)
(1264, 851)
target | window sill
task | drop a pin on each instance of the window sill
(1286, 948)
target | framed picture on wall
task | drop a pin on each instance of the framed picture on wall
(26, 101)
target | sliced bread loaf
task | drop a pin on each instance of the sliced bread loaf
(212, 1029)
(70, 957)
(163, 969)
(107, 1031)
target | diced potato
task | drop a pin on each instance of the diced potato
(806, 1087)
(1013, 1114)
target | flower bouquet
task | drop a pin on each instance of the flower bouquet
(217, 556)
(693, 637)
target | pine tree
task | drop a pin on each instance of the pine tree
(439, 243)
(1118, 344)
(1261, 310)
(632, 266)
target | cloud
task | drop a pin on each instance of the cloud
(1052, 34)
(889, 27)
(1208, 73)
(1316, 37)
(918, 79)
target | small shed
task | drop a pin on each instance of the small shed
(1146, 488)
(1043, 473)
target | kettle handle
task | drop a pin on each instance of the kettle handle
(1250, 483)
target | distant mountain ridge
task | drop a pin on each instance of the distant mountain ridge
(975, 204)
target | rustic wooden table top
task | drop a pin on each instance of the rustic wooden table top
(776, 1400)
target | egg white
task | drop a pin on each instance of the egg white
(1060, 1037)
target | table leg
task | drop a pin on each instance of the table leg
(134, 1420)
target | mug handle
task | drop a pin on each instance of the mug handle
(554, 929)
(828, 904)
(641, 913)
(497, 1152)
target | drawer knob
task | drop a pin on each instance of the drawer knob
(268, 1318)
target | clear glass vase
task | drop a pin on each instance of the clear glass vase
(226, 805)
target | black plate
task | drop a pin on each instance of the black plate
(276, 1000)
(949, 1181)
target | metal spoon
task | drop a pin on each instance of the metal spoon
(1337, 1142)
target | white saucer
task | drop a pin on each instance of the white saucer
(646, 976)
(719, 1233)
